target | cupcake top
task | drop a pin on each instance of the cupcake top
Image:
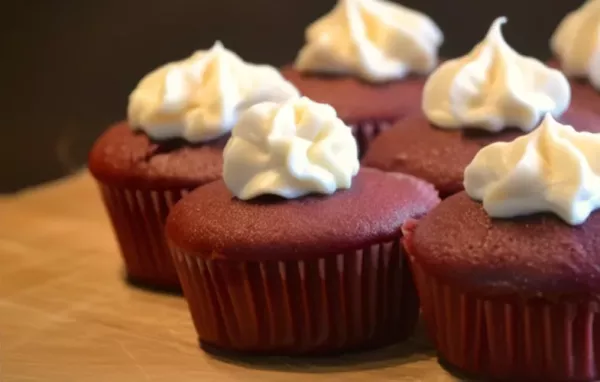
(535, 231)
(129, 159)
(554, 169)
(211, 221)
(440, 156)
(575, 45)
(180, 116)
(291, 149)
(292, 187)
(490, 95)
(493, 88)
(201, 97)
(375, 40)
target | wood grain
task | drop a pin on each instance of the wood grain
(67, 315)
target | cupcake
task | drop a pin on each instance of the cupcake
(492, 94)
(296, 251)
(507, 271)
(179, 119)
(575, 50)
(368, 59)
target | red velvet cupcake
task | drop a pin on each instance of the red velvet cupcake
(468, 103)
(576, 53)
(369, 61)
(417, 147)
(509, 287)
(295, 251)
(172, 143)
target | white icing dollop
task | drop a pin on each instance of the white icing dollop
(494, 87)
(552, 169)
(200, 98)
(291, 149)
(576, 45)
(375, 40)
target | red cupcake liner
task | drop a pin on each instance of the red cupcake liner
(366, 131)
(138, 218)
(351, 301)
(511, 338)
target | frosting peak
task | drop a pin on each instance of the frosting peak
(200, 98)
(493, 88)
(376, 40)
(291, 149)
(553, 169)
(575, 43)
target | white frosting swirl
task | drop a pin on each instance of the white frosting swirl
(493, 87)
(575, 43)
(552, 169)
(376, 40)
(200, 98)
(291, 149)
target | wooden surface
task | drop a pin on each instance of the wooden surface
(66, 314)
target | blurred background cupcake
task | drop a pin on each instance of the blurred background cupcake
(179, 119)
(296, 250)
(368, 59)
(576, 52)
(73, 67)
(491, 94)
(507, 271)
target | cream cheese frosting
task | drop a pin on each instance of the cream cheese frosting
(493, 88)
(375, 40)
(552, 169)
(200, 98)
(576, 44)
(291, 149)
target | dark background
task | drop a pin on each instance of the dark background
(67, 66)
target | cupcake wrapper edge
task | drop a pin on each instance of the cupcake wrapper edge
(366, 131)
(353, 300)
(514, 339)
(138, 218)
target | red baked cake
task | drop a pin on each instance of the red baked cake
(470, 102)
(296, 251)
(509, 285)
(367, 59)
(417, 147)
(173, 142)
(575, 52)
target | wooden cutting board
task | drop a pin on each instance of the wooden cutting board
(67, 315)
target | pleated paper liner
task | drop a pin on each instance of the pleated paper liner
(365, 131)
(351, 301)
(138, 218)
(512, 338)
